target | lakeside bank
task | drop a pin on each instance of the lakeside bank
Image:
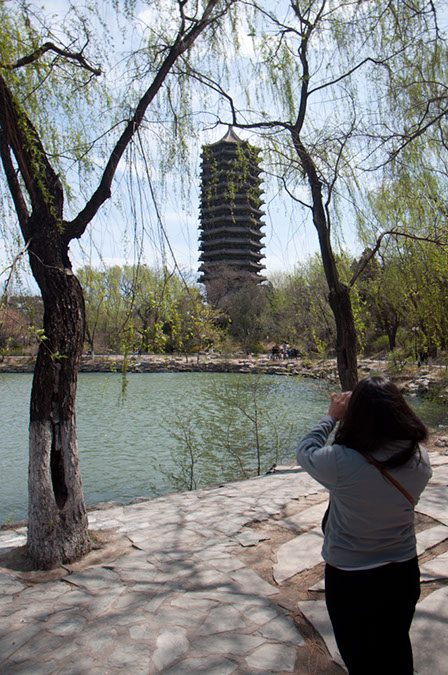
(429, 381)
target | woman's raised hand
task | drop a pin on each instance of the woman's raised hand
(338, 405)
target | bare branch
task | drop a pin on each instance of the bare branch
(342, 143)
(397, 233)
(51, 47)
(419, 132)
(214, 86)
(344, 76)
(296, 199)
(12, 267)
(183, 41)
(13, 183)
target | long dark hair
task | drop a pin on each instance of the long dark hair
(377, 414)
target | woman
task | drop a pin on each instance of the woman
(372, 579)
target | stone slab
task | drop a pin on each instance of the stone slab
(434, 503)
(440, 475)
(299, 554)
(273, 658)
(229, 643)
(281, 629)
(318, 586)
(429, 634)
(94, 579)
(438, 459)
(307, 519)
(213, 665)
(430, 537)
(222, 619)
(250, 582)
(170, 646)
(13, 638)
(9, 585)
(437, 568)
(250, 537)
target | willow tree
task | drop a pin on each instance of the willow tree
(42, 65)
(405, 220)
(320, 72)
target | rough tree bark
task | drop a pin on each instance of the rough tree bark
(57, 518)
(57, 528)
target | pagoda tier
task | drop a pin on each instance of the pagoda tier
(210, 213)
(235, 224)
(233, 242)
(232, 252)
(230, 230)
(230, 214)
(240, 270)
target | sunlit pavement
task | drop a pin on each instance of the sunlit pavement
(215, 581)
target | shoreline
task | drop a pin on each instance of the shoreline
(426, 381)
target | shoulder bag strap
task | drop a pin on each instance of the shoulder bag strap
(387, 475)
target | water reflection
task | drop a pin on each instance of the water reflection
(142, 445)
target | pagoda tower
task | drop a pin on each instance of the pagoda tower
(230, 215)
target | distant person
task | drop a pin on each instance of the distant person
(284, 350)
(275, 352)
(372, 578)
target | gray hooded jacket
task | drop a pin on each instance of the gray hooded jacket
(370, 521)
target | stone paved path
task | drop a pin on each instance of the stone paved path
(216, 581)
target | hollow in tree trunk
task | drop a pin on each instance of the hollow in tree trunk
(57, 528)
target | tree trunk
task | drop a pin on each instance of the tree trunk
(346, 339)
(339, 294)
(57, 528)
(391, 332)
(341, 306)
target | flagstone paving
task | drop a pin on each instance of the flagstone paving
(223, 580)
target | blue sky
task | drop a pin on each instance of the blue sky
(133, 233)
(289, 234)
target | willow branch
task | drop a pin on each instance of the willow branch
(420, 131)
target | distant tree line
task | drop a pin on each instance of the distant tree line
(400, 302)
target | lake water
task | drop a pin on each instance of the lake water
(142, 442)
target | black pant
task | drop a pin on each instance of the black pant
(371, 612)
